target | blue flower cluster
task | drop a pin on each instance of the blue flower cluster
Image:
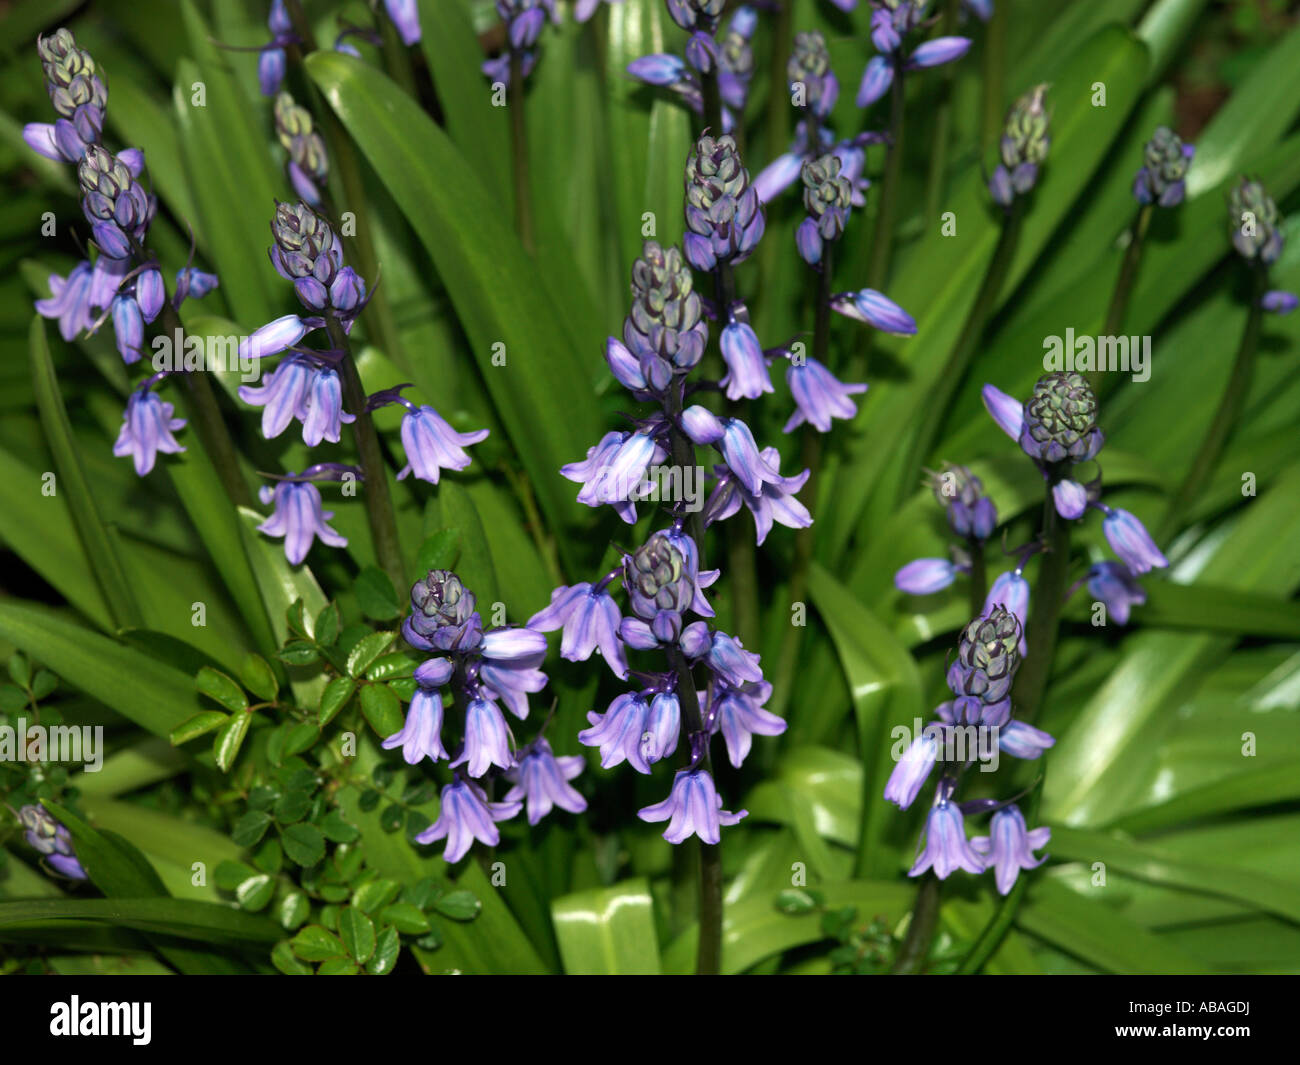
(481, 670)
(306, 385)
(980, 678)
(123, 283)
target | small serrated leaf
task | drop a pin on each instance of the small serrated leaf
(221, 688)
(230, 738)
(382, 710)
(334, 698)
(258, 677)
(367, 650)
(200, 724)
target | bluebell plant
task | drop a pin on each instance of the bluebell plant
(892, 22)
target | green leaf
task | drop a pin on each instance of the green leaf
(209, 922)
(315, 943)
(337, 967)
(282, 958)
(490, 280)
(258, 677)
(100, 548)
(382, 710)
(797, 901)
(137, 686)
(230, 737)
(376, 595)
(367, 650)
(325, 631)
(387, 947)
(608, 931)
(199, 725)
(255, 893)
(408, 919)
(250, 828)
(441, 550)
(304, 844)
(216, 685)
(458, 905)
(357, 932)
(373, 894)
(336, 695)
(294, 908)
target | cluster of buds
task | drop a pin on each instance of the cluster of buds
(484, 670)
(980, 678)
(1023, 148)
(1255, 222)
(892, 21)
(812, 83)
(724, 220)
(664, 333)
(78, 96)
(307, 384)
(828, 199)
(308, 165)
(701, 15)
(733, 58)
(973, 517)
(52, 840)
(1165, 161)
(115, 204)
(524, 21)
(117, 286)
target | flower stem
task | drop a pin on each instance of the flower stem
(1230, 405)
(810, 456)
(968, 339)
(942, 122)
(1044, 614)
(207, 418)
(379, 502)
(995, 65)
(1124, 284)
(519, 153)
(990, 938)
(882, 240)
(920, 929)
(979, 580)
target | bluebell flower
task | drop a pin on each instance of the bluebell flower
(664, 331)
(747, 376)
(589, 618)
(739, 715)
(271, 64)
(971, 514)
(925, 576)
(283, 395)
(511, 645)
(819, 396)
(808, 72)
(52, 840)
(1113, 584)
(663, 724)
(938, 51)
(442, 615)
(466, 816)
(828, 199)
(584, 9)
(1070, 498)
(877, 77)
(1007, 411)
(752, 467)
(592, 473)
(1021, 740)
(775, 504)
(1278, 301)
(512, 682)
(696, 14)
(693, 808)
(876, 310)
(128, 328)
(913, 769)
(150, 293)
(299, 517)
(1060, 420)
(147, 427)
(421, 735)
(946, 847)
(988, 655)
(1008, 847)
(69, 301)
(663, 70)
(431, 445)
(115, 205)
(308, 165)
(78, 96)
(618, 731)
(542, 780)
(487, 738)
(1130, 540)
(191, 281)
(728, 660)
(324, 409)
(405, 15)
(273, 338)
